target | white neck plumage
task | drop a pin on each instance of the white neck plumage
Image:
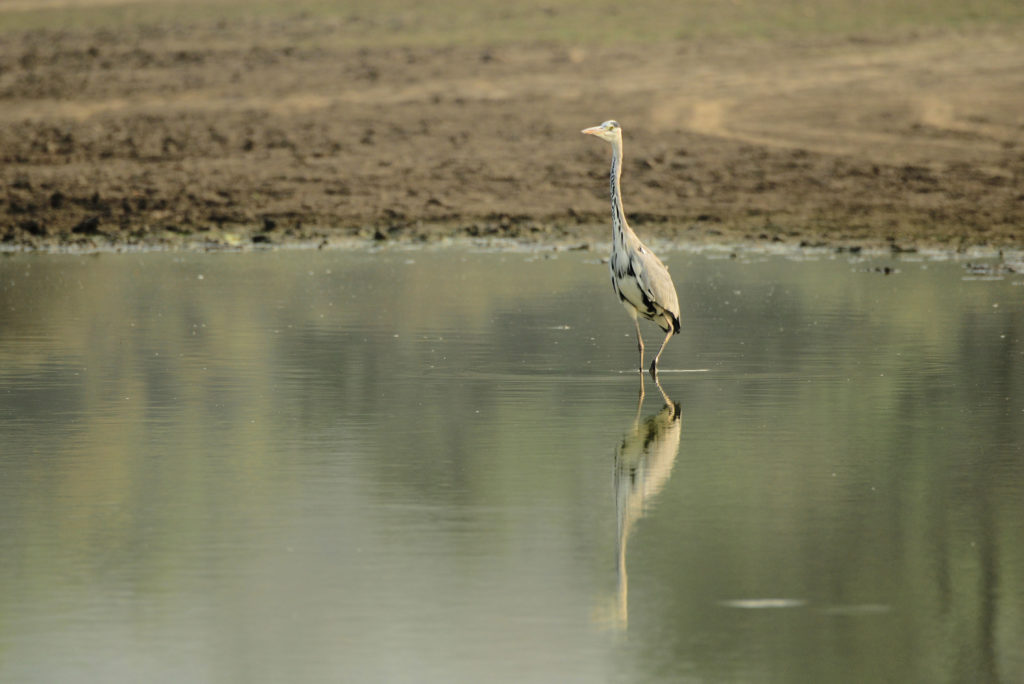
(619, 225)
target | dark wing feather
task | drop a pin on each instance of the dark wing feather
(655, 282)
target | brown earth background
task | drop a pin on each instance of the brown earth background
(196, 124)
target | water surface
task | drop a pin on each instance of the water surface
(431, 466)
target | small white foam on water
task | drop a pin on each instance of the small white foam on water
(763, 603)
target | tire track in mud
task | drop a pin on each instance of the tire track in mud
(911, 100)
(913, 103)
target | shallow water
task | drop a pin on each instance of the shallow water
(429, 466)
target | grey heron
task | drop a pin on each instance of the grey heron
(640, 279)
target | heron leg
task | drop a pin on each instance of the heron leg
(639, 401)
(639, 342)
(674, 405)
(654, 363)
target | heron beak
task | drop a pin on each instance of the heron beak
(593, 130)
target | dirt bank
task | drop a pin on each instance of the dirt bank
(206, 137)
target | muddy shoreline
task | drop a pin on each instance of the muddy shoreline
(206, 141)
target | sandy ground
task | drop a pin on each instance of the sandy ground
(208, 137)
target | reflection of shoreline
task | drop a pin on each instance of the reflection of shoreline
(643, 465)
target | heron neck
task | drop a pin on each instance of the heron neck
(619, 225)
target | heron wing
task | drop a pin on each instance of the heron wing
(654, 280)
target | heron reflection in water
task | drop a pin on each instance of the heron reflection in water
(643, 464)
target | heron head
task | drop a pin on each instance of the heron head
(609, 130)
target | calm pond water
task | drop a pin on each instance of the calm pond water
(429, 466)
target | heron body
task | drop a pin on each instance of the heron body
(640, 279)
